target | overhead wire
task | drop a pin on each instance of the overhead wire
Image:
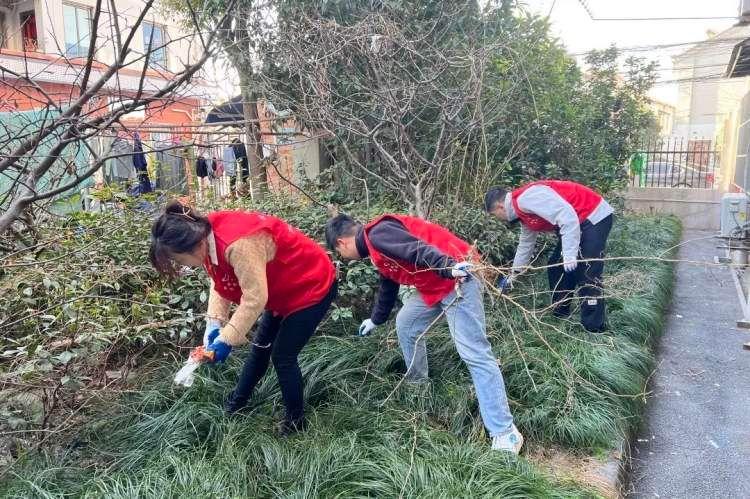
(587, 8)
(646, 48)
(697, 18)
(712, 46)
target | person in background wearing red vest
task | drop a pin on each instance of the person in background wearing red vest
(582, 220)
(410, 251)
(263, 265)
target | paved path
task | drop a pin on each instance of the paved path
(695, 441)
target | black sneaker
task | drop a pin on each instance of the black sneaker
(234, 404)
(561, 313)
(289, 427)
(597, 330)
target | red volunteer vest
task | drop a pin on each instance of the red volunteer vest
(299, 275)
(431, 286)
(583, 200)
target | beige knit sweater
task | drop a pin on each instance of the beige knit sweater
(248, 257)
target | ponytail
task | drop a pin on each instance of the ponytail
(178, 230)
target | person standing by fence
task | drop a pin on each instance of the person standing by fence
(230, 167)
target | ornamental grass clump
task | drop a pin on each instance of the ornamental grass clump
(369, 434)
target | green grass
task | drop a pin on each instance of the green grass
(365, 439)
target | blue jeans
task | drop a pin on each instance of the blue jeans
(467, 326)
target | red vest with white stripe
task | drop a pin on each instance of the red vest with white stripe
(300, 274)
(583, 200)
(430, 285)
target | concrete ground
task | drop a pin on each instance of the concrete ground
(695, 441)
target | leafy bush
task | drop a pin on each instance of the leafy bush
(565, 387)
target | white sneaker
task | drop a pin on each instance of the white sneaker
(511, 441)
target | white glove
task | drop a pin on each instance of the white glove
(366, 327)
(505, 283)
(211, 326)
(462, 269)
(570, 265)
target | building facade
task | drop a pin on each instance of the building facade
(664, 114)
(706, 99)
(44, 50)
(49, 40)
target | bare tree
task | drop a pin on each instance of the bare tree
(404, 101)
(37, 153)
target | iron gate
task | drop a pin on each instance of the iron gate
(675, 162)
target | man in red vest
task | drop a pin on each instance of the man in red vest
(582, 219)
(410, 251)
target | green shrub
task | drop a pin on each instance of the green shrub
(565, 387)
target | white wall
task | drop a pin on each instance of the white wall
(128, 11)
(306, 153)
(696, 208)
(705, 100)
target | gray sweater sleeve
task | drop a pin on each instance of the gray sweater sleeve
(546, 203)
(525, 248)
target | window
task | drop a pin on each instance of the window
(153, 41)
(28, 31)
(118, 103)
(77, 23)
(3, 30)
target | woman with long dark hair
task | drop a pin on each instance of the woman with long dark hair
(265, 266)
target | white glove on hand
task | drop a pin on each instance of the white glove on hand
(505, 283)
(570, 265)
(462, 269)
(211, 326)
(366, 327)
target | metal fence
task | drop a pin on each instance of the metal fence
(675, 162)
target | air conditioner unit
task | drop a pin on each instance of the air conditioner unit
(734, 215)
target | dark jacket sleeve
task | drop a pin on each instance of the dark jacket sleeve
(384, 302)
(391, 238)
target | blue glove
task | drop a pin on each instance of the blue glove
(220, 349)
(212, 331)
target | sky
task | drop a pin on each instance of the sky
(579, 33)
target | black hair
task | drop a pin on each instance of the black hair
(494, 195)
(178, 230)
(340, 226)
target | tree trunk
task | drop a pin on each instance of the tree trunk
(254, 147)
(420, 209)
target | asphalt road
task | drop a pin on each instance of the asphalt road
(695, 441)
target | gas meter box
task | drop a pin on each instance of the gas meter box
(733, 214)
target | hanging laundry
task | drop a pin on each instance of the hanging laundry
(217, 169)
(171, 173)
(140, 164)
(201, 167)
(120, 167)
(230, 161)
